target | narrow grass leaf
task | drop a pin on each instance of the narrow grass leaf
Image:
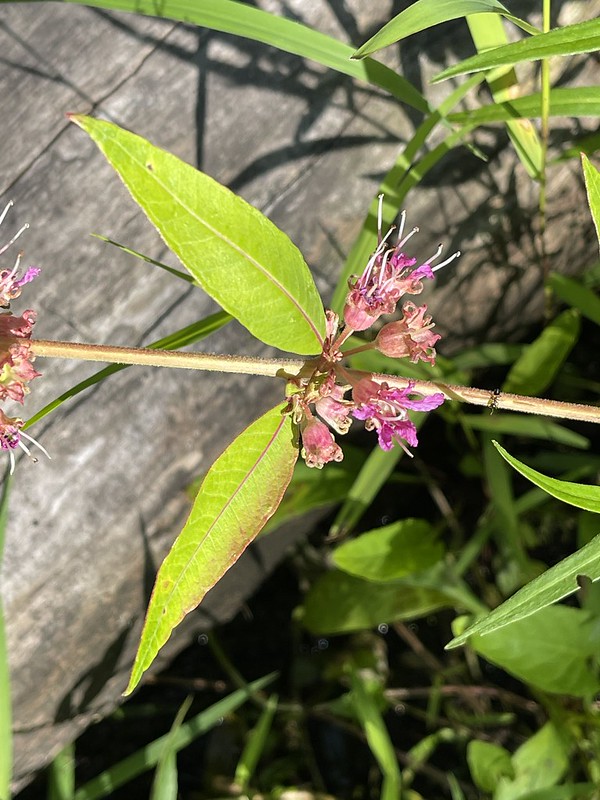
(576, 295)
(235, 253)
(61, 774)
(582, 37)
(526, 426)
(255, 746)
(165, 783)
(581, 101)
(535, 370)
(176, 272)
(129, 768)
(390, 552)
(576, 494)
(174, 341)
(377, 468)
(378, 738)
(592, 185)
(242, 19)
(6, 748)
(238, 495)
(425, 14)
(488, 31)
(394, 196)
(341, 603)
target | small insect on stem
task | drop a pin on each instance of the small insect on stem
(493, 401)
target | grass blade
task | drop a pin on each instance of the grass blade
(5, 701)
(61, 775)
(577, 101)
(164, 785)
(148, 757)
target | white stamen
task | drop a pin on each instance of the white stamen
(14, 238)
(36, 443)
(401, 221)
(9, 205)
(437, 254)
(406, 238)
(379, 215)
(447, 261)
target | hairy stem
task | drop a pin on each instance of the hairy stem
(288, 368)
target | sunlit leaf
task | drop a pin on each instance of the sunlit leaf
(592, 185)
(583, 37)
(488, 762)
(580, 101)
(236, 254)
(425, 14)
(238, 495)
(576, 494)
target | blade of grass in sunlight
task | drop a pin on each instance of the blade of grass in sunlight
(61, 774)
(582, 37)
(244, 20)
(366, 241)
(5, 701)
(148, 756)
(487, 32)
(578, 101)
(188, 335)
(425, 14)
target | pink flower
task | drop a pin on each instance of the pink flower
(386, 410)
(318, 444)
(410, 336)
(19, 327)
(335, 410)
(11, 437)
(16, 370)
(388, 276)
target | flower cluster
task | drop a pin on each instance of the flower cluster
(319, 401)
(16, 358)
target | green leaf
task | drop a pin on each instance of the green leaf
(236, 254)
(241, 19)
(581, 101)
(576, 494)
(238, 495)
(550, 649)
(488, 763)
(592, 185)
(377, 736)
(583, 37)
(390, 552)
(61, 774)
(129, 768)
(425, 14)
(255, 746)
(341, 603)
(6, 743)
(529, 426)
(539, 764)
(557, 582)
(576, 295)
(535, 370)
(488, 31)
(165, 783)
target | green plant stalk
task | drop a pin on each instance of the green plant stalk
(290, 368)
(5, 701)
(61, 774)
(545, 114)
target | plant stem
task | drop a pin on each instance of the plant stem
(289, 368)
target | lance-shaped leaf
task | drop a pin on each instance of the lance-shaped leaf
(239, 494)
(238, 256)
